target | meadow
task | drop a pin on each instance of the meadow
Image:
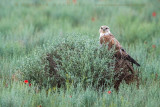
(30, 29)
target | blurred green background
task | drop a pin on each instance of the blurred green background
(26, 25)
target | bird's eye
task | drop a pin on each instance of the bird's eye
(101, 28)
(106, 28)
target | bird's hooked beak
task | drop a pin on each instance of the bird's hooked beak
(103, 30)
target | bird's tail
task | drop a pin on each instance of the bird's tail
(132, 60)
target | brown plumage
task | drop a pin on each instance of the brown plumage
(107, 38)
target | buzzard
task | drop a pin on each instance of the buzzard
(107, 38)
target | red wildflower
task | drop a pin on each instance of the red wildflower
(154, 14)
(30, 84)
(153, 46)
(93, 19)
(109, 92)
(25, 81)
(70, 96)
(74, 1)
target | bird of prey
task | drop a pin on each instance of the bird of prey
(107, 38)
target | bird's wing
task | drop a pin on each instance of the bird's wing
(111, 41)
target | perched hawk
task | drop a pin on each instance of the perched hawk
(107, 38)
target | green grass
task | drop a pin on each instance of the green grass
(30, 29)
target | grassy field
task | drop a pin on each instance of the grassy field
(30, 29)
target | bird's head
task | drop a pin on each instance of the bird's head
(104, 30)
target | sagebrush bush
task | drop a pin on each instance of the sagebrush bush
(70, 62)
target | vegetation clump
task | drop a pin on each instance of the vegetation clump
(74, 62)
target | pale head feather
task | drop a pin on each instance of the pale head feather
(104, 30)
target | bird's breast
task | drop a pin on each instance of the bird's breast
(103, 34)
